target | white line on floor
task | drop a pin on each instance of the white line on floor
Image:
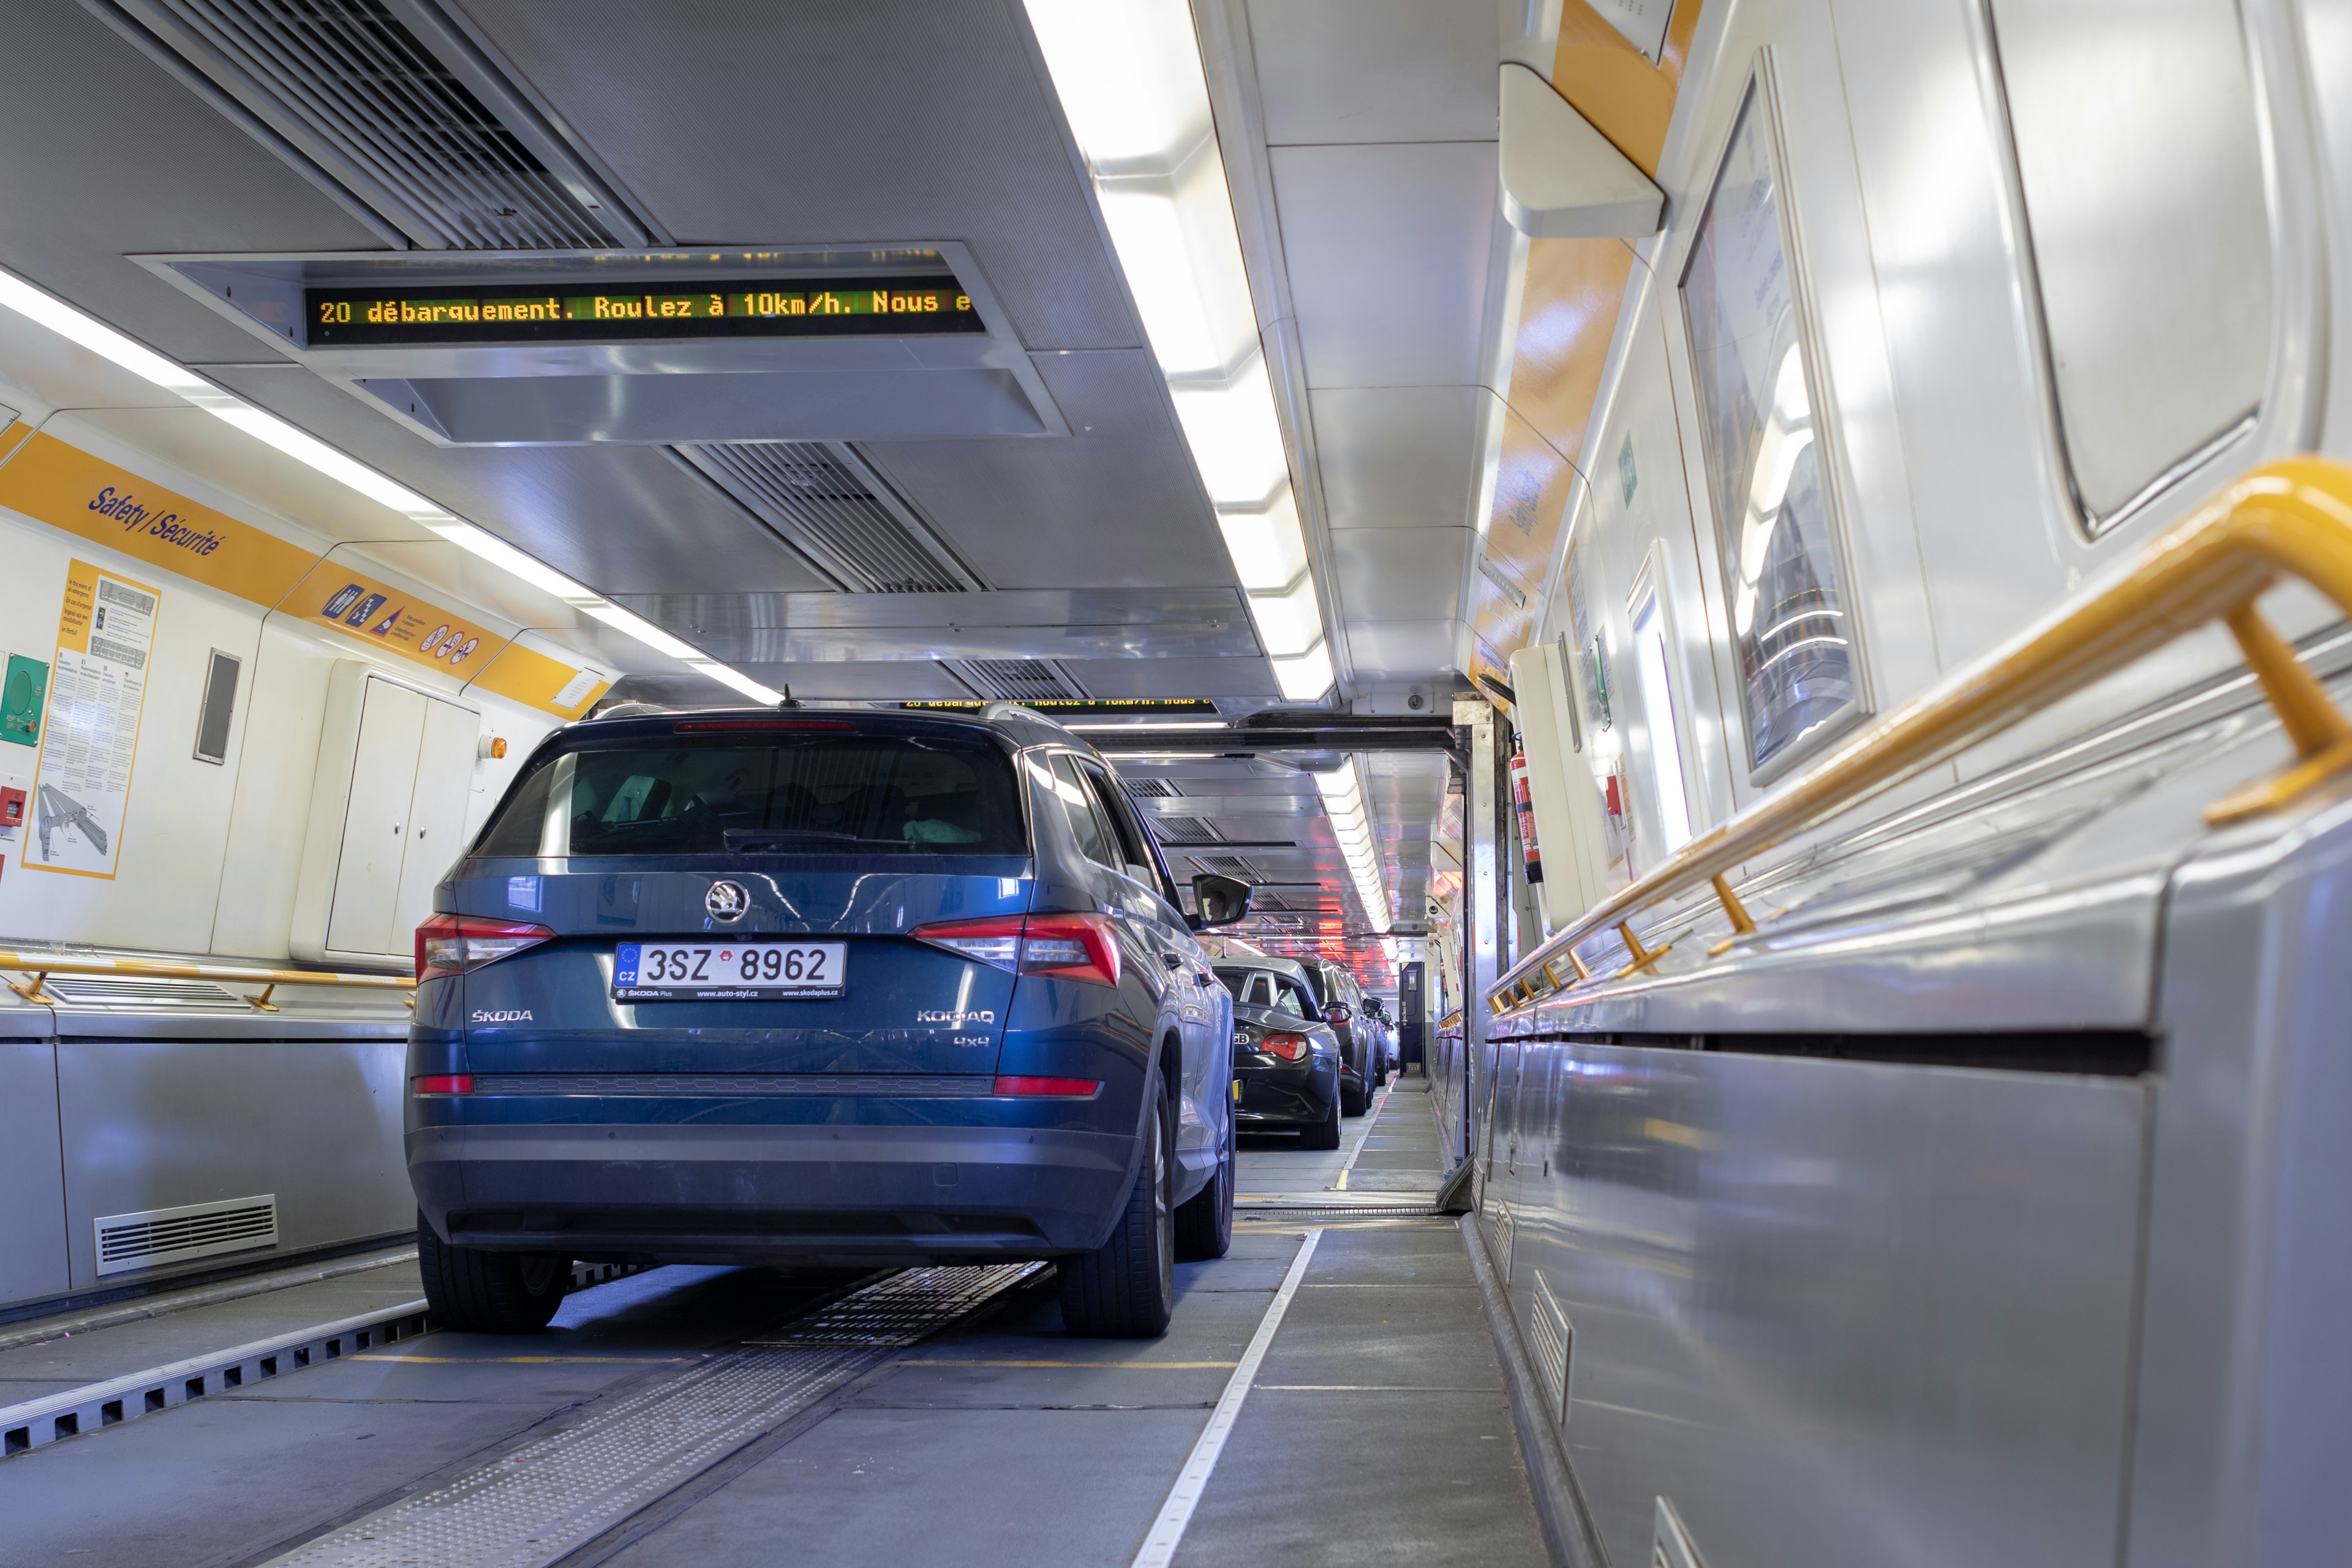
(1363, 1133)
(1168, 1529)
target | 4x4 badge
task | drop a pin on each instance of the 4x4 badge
(727, 901)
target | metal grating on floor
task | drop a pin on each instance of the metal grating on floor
(348, 89)
(825, 502)
(551, 1496)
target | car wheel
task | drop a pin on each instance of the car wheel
(477, 1293)
(1324, 1135)
(1352, 1100)
(1204, 1224)
(1126, 1289)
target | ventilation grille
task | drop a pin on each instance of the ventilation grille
(105, 991)
(155, 1237)
(1550, 1338)
(1016, 679)
(825, 503)
(1182, 830)
(1153, 789)
(1238, 867)
(353, 90)
(1505, 1233)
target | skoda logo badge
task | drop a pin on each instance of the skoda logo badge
(727, 901)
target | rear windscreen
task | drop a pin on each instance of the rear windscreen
(822, 795)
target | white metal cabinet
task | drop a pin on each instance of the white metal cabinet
(387, 812)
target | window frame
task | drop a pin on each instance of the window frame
(1760, 91)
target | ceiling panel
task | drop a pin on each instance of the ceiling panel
(1248, 679)
(1411, 650)
(1400, 574)
(744, 121)
(1115, 503)
(1397, 457)
(109, 156)
(622, 520)
(1387, 246)
(1377, 70)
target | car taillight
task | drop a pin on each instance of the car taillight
(1066, 947)
(452, 944)
(1028, 1086)
(1288, 1046)
(444, 1083)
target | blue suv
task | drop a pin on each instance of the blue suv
(840, 988)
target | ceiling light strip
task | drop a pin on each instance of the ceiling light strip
(103, 340)
(1129, 75)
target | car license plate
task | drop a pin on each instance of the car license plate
(728, 970)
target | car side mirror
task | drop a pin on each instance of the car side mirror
(1220, 900)
(1337, 1013)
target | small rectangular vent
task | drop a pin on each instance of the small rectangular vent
(347, 87)
(1180, 830)
(155, 1237)
(1237, 867)
(106, 991)
(1506, 1232)
(1016, 679)
(1152, 789)
(1551, 1339)
(832, 509)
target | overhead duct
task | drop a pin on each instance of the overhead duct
(392, 103)
(828, 504)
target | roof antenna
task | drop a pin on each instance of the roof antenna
(787, 702)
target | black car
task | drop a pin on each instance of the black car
(1286, 1058)
(842, 988)
(1341, 998)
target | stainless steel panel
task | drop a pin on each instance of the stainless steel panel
(32, 1177)
(2245, 1396)
(1375, 70)
(159, 1121)
(1093, 623)
(1840, 1312)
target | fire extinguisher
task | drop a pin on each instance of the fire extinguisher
(1523, 799)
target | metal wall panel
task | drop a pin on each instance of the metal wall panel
(33, 1211)
(1839, 1312)
(154, 1122)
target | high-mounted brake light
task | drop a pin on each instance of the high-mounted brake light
(452, 944)
(444, 1083)
(705, 726)
(1027, 1085)
(1066, 947)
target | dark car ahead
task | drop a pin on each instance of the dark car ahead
(1286, 1058)
(849, 988)
(1341, 997)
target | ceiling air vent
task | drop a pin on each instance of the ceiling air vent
(1182, 831)
(155, 1237)
(831, 507)
(1237, 867)
(1154, 789)
(390, 104)
(1015, 679)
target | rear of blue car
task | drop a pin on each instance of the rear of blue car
(740, 988)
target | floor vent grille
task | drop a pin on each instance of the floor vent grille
(832, 509)
(155, 1237)
(1016, 679)
(348, 87)
(105, 991)
(1550, 1341)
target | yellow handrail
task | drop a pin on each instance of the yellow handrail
(41, 965)
(2293, 517)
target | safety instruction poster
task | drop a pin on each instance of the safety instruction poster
(106, 637)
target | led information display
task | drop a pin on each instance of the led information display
(729, 308)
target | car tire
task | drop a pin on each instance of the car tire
(1352, 1100)
(1324, 1135)
(1126, 1289)
(475, 1292)
(1204, 1223)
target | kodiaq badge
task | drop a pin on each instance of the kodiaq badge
(727, 901)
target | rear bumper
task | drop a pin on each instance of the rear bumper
(805, 1192)
(1286, 1097)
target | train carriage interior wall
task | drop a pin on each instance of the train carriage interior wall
(1149, 782)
